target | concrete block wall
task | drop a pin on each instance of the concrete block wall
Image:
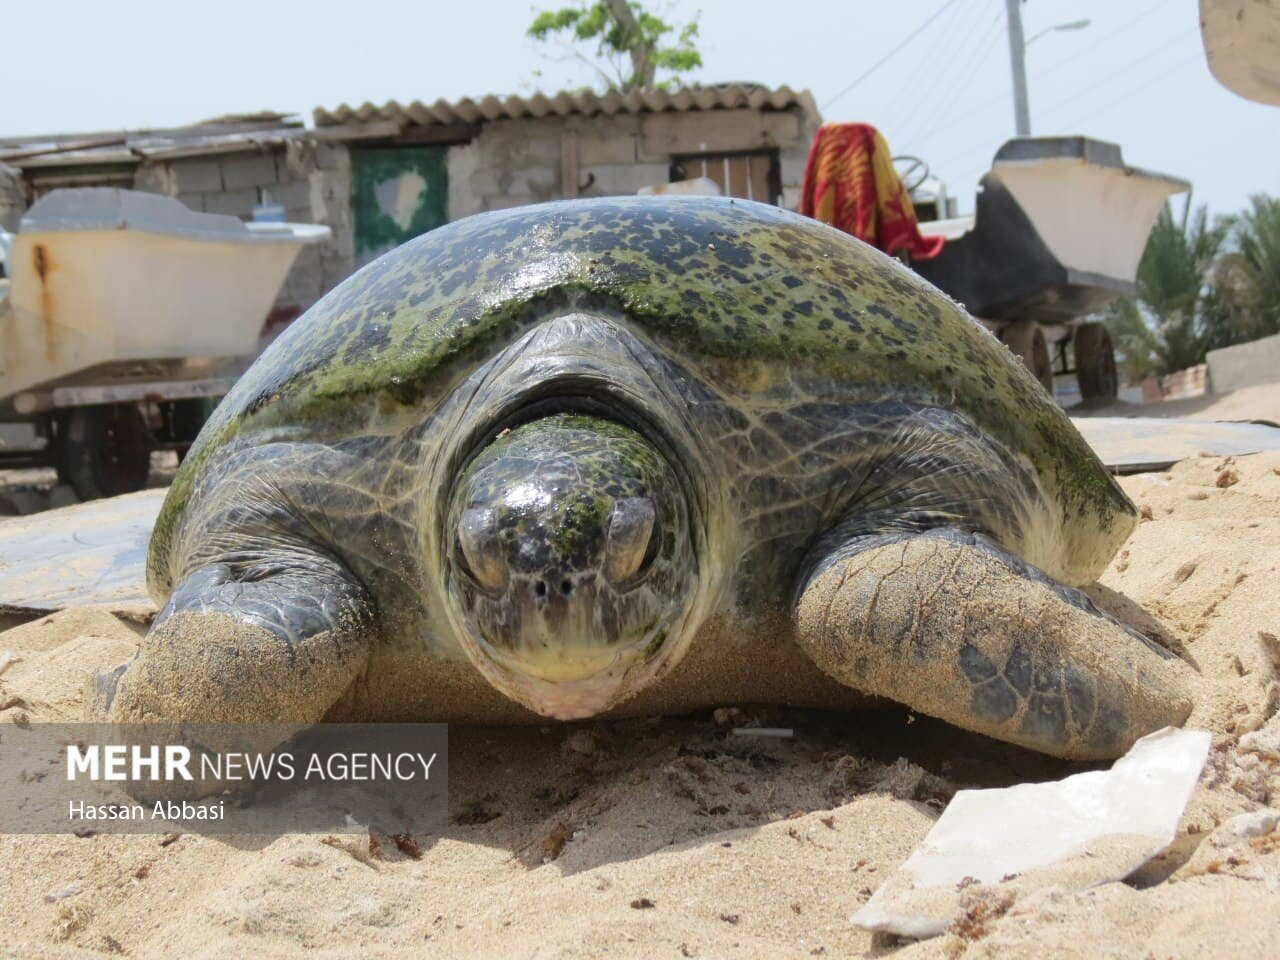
(329, 178)
(518, 161)
(790, 132)
(310, 179)
(508, 164)
(1245, 365)
(610, 160)
(1189, 382)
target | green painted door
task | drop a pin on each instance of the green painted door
(397, 194)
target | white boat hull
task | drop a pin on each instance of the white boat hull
(135, 287)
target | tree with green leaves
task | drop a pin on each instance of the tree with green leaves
(1248, 277)
(1179, 311)
(632, 43)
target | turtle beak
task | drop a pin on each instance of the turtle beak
(559, 662)
(567, 681)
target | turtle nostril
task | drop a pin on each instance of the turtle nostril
(566, 587)
(540, 588)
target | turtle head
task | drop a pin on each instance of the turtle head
(570, 564)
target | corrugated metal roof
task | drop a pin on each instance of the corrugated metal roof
(226, 134)
(724, 96)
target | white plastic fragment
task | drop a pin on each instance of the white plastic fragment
(1256, 824)
(54, 896)
(1088, 829)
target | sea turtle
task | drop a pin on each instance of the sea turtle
(641, 455)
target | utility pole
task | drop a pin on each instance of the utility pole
(1017, 61)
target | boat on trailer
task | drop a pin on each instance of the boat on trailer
(1058, 230)
(123, 316)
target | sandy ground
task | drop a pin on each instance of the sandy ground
(685, 841)
(1251, 403)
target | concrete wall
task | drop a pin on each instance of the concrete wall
(1245, 365)
(517, 161)
(1191, 382)
(310, 179)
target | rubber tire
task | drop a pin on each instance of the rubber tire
(1095, 363)
(1026, 341)
(188, 419)
(106, 450)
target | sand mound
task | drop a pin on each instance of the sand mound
(673, 838)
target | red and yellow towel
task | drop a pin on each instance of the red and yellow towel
(850, 183)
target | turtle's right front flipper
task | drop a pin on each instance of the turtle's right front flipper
(272, 639)
(956, 627)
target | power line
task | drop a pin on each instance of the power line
(1074, 61)
(1036, 75)
(1133, 91)
(892, 53)
(925, 78)
(976, 61)
(1103, 81)
(1115, 101)
(940, 75)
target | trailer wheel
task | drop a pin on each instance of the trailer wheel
(1095, 363)
(1025, 340)
(106, 450)
(186, 418)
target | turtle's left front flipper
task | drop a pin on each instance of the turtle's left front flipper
(955, 627)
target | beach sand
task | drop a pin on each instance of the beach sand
(673, 838)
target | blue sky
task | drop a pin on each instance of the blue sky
(1136, 75)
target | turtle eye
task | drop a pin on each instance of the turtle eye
(631, 544)
(479, 552)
